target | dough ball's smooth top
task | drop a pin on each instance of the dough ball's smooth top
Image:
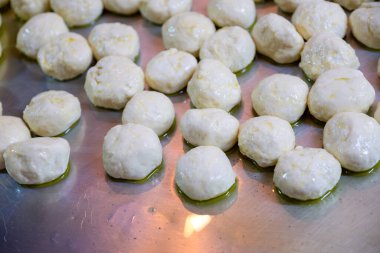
(113, 81)
(158, 11)
(12, 130)
(131, 152)
(289, 5)
(3, 3)
(51, 113)
(151, 109)
(377, 113)
(351, 4)
(25, 9)
(213, 85)
(233, 46)
(326, 51)
(204, 173)
(124, 7)
(37, 160)
(78, 12)
(39, 30)
(277, 38)
(187, 32)
(281, 95)
(340, 90)
(353, 138)
(114, 39)
(306, 173)
(210, 127)
(314, 17)
(170, 70)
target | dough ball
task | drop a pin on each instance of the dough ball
(353, 138)
(204, 173)
(131, 152)
(37, 160)
(170, 71)
(289, 5)
(213, 85)
(51, 113)
(351, 4)
(25, 9)
(210, 127)
(377, 113)
(277, 38)
(187, 32)
(114, 39)
(326, 51)
(232, 46)
(158, 11)
(3, 3)
(113, 81)
(232, 12)
(123, 7)
(306, 173)
(340, 90)
(39, 30)
(151, 109)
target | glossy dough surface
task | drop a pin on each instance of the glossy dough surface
(25, 9)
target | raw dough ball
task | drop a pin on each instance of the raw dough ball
(277, 38)
(39, 30)
(232, 46)
(51, 113)
(213, 85)
(124, 7)
(158, 11)
(353, 138)
(151, 109)
(37, 160)
(113, 81)
(306, 173)
(232, 12)
(187, 32)
(204, 173)
(288, 5)
(114, 39)
(351, 4)
(131, 152)
(25, 9)
(3, 3)
(340, 90)
(170, 70)
(210, 127)
(326, 51)
(377, 113)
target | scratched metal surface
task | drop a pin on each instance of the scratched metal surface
(89, 213)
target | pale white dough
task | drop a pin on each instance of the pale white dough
(1, 109)
(124, 7)
(351, 4)
(377, 113)
(25, 9)
(158, 11)
(289, 5)
(3, 3)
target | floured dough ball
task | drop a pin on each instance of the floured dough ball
(213, 85)
(232, 46)
(38, 160)
(312, 18)
(306, 173)
(25, 9)
(353, 138)
(158, 11)
(326, 51)
(377, 113)
(51, 113)
(3, 3)
(151, 109)
(277, 38)
(123, 7)
(114, 39)
(39, 30)
(170, 71)
(351, 4)
(204, 173)
(340, 90)
(210, 127)
(131, 152)
(187, 32)
(78, 12)
(113, 81)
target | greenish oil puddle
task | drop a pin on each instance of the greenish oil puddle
(68, 129)
(250, 28)
(286, 198)
(55, 181)
(236, 108)
(246, 69)
(140, 181)
(297, 123)
(361, 173)
(137, 58)
(170, 130)
(309, 81)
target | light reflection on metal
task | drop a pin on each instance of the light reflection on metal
(195, 223)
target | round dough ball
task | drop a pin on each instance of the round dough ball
(351, 4)
(187, 32)
(377, 113)
(277, 38)
(37, 160)
(158, 11)
(232, 46)
(306, 173)
(39, 30)
(131, 152)
(114, 39)
(210, 127)
(204, 173)
(326, 51)
(3, 3)
(151, 109)
(51, 113)
(25, 9)
(170, 71)
(213, 85)
(340, 90)
(123, 7)
(113, 81)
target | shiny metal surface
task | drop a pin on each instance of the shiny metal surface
(87, 212)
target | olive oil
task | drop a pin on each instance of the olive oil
(140, 181)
